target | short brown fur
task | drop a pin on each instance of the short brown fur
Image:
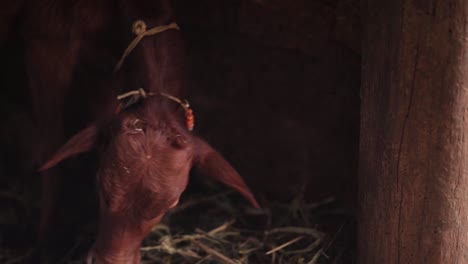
(144, 153)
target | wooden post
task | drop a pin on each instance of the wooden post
(413, 189)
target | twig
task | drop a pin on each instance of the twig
(316, 257)
(248, 251)
(163, 227)
(305, 250)
(208, 257)
(188, 238)
(167, 245)
(335, 236)
(285, 245)
(298, 230)
(214, 253)
(221, 228)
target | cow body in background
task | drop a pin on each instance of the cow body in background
(140, 158)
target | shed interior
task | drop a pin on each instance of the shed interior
(275, 88)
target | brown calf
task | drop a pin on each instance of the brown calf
(145, 151)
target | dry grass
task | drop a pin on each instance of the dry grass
(210, 229)
(278, 233)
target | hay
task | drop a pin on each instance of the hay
(232, 242)
(211, 229)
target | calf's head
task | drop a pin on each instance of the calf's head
(145, 160)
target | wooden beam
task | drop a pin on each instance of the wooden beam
(413, 189)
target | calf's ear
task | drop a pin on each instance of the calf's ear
(211, 164)
(83, 141)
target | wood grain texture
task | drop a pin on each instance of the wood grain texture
(413, 162)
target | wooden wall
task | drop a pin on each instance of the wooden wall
(413, 187)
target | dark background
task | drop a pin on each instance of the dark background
(275, 87)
